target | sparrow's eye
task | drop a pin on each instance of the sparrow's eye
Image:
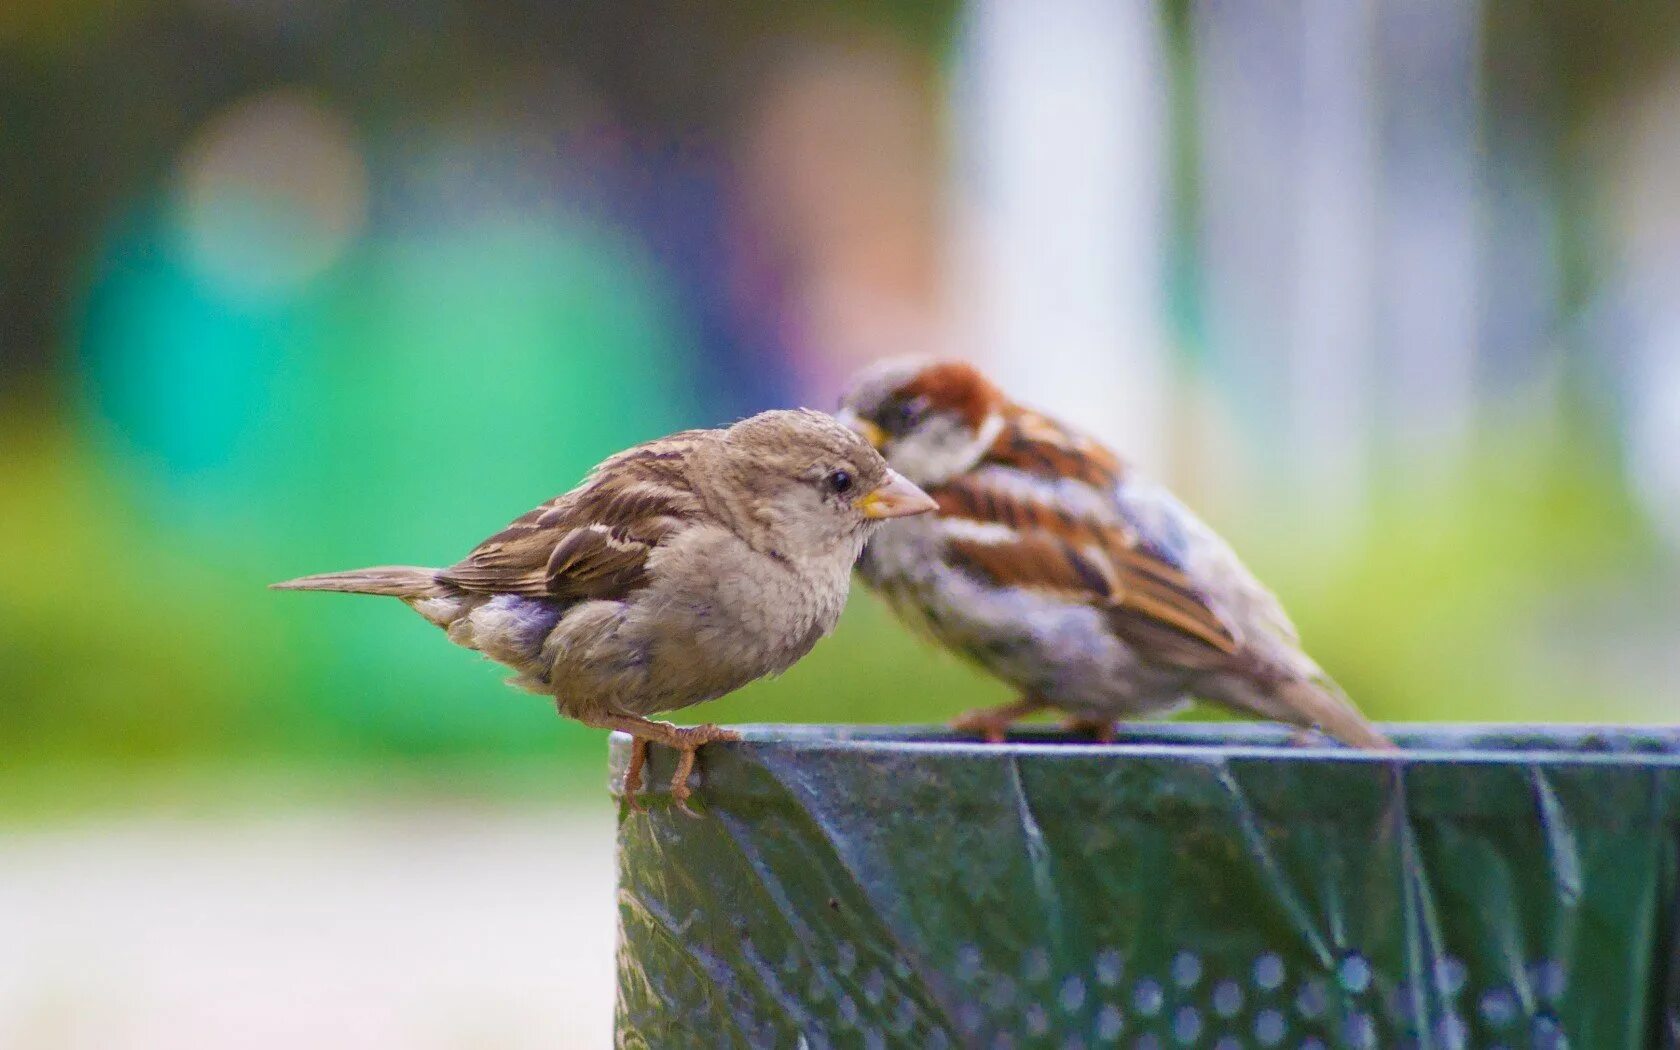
(901, 416)
(841, 481)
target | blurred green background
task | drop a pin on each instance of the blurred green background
(1388, 290)
(288, 288)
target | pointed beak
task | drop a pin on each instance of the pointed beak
(870, 432)
(896, 499)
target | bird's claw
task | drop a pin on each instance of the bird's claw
(1100, 730)
(993, 723)
(688, 742)
(984, 723)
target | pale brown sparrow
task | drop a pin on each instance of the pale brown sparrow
(678, 571)
(1051, 564)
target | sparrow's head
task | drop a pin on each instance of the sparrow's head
(931, 419)
(801, 484)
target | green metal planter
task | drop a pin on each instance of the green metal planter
(1191, 886)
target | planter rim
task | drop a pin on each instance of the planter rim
(1422, 744)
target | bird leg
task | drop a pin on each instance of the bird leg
(633, 773)
(993, 722)
(684, 740)
(1100, 730)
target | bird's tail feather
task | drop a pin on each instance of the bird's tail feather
(1322, 705)
(398, 581)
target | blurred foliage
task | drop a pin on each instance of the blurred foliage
(98, 97)
(1445, 605)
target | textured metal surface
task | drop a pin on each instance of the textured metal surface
(1191, 886)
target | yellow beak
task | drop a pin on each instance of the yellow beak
(870, 432)
(896, 499)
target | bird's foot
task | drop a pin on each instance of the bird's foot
(992, 723)
(645, 731)
(687, 742)
(1100, 730)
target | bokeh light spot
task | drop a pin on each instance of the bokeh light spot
(271, 193)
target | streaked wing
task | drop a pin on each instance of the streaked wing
(1163, 613)
(594, 541)
(1181, 539)
(1028, 519)
(1040, 447)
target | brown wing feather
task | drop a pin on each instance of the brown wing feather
(1034, 562)
(594, 541)
(1039, 446)
(1161, 610)
(1151, 603)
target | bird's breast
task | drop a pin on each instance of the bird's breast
(726, 614)
(903, 551)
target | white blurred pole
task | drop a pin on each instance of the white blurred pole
(1334, 298)
(1060, 125)
(1249, 99)
(1430, 267)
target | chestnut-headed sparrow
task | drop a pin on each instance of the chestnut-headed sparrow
(1051, 564)
(678, 571)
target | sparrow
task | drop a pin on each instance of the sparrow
(1055, 566)
(676, 572)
